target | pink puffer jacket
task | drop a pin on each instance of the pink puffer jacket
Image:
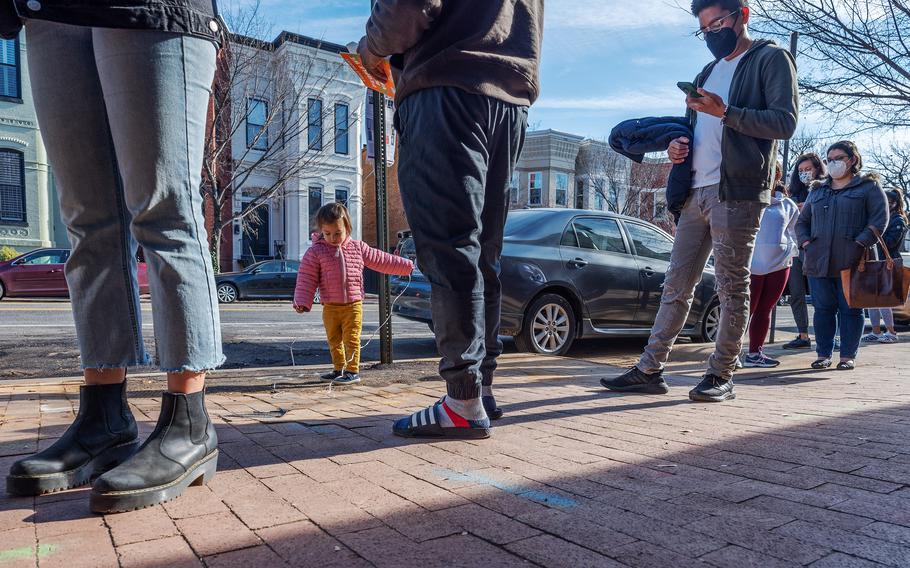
(338, 271)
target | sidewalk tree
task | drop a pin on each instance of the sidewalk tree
(854, 56)
(608, 174)
(626, 187)
(893, 164)
(259, 123)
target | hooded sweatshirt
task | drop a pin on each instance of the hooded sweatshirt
(775, 244)
(338, 271)
(483, 47)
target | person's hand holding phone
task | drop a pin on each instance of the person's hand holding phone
(678, 150)
(707, 103)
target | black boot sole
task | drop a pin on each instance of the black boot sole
(200, 473)
(654, 388)
(695, 397)
(33, 485)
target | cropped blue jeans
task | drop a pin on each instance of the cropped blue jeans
(123, 115)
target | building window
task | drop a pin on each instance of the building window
(341, 129)
(10, 87)
(514, 188)
(315, 202)
(579, 194)
(341, 196)
(562, 189)
(535, 183)
(314, 124)
(257, 135)
(598, 201)
(12, 186)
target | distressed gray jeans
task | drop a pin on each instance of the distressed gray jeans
(728, 229)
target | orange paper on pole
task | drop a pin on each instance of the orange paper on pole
(387, 88)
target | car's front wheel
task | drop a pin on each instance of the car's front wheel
(2, 290)
(549, 326)
(227, 293)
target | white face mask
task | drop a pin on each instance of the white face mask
(837, 168)
(806, 177)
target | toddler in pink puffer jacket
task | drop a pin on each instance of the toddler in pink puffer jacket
(334, 264)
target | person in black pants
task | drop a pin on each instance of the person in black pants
(463, 88)
(809, 169)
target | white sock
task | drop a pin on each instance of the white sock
(471, 409)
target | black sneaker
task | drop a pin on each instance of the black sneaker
(329, 377)
(799, 343)
(635, 380)
(347, 378)
(713, 389)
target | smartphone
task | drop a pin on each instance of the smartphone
(689, 88)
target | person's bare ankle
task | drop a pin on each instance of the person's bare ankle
(108, 376)
(186, 382)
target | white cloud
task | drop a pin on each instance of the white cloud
(644, 103)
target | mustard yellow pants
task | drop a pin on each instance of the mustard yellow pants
(343, 323)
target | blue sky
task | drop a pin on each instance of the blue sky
(603, 60)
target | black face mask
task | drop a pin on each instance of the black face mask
(722, 43)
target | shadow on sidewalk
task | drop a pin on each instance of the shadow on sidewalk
(640, 480)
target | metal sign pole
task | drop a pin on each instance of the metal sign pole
(382, 224)
(794, 39)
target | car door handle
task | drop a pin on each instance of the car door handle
(578, 263)
(647, 272)
(55, 270)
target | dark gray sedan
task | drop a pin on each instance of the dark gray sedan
(569, 274)
(266, 280)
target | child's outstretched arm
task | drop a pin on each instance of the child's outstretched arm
(385, 263)
(307, 282)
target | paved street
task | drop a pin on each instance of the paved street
(802, 469)
(37, 338)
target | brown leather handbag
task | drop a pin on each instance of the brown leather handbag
(876, 283)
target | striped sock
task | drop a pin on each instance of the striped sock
(456, 412)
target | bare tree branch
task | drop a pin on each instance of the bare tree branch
(858, 62)
(291, 134)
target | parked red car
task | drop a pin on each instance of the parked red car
(39, 273)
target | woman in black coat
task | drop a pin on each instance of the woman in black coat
(837, 224)
(121, 92)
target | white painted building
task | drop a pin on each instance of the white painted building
(327, 103)
(29, 215)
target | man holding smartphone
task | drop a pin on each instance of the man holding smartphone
(748, 101)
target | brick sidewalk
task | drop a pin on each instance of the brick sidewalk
(802, 469)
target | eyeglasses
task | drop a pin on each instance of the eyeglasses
(840, 158)
(715, 26)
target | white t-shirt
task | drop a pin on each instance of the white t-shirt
(706, 149)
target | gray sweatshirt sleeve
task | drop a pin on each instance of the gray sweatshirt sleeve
(397, 25)
(778, 121)
(877, 206)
